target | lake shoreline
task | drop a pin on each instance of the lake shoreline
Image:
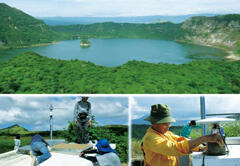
(230, 53)
(28, 46)
(179, 48)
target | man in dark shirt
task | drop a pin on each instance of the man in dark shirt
(40, 150)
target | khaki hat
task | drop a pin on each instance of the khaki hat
(160, 113)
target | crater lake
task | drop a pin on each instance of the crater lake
(115, 52)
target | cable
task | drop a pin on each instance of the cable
(223, 140)
(203, 160)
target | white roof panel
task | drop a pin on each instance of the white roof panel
(214, 120)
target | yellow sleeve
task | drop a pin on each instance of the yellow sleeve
(166, 147)
(180, 138)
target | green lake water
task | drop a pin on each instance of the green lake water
(115, 52)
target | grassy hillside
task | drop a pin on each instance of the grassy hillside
(32, 73)
(13, 130)
(19, 29)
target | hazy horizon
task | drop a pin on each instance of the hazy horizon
(123, 8)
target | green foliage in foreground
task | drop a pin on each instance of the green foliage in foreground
(32, 73)
(7, 142)
(119, 137)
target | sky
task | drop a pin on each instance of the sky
(186, 107)
(32, 112)
(115, 8)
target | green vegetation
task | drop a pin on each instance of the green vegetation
(114, 134)
(165, 30)
(18, 29)
(13, 130)
(32, 73)
(7, 142)
(85, 43)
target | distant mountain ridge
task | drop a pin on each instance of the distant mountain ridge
(129, 19)
(14, 130)
(141, 121)
(166, 30)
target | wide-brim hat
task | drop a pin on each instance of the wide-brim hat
(160, 113)
(104, 146)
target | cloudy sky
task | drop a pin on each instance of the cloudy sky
(113, 8)
(186, 107)
(32, 112)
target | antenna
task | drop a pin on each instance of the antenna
(51, 119)
(51, 108)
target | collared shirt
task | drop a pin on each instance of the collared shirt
(163, 149)
(82, 107)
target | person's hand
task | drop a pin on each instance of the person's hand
(215, 138)
(203, 148)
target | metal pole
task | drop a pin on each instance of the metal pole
(203, 114)
(51, 120)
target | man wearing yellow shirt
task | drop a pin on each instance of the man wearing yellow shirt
(161, 147)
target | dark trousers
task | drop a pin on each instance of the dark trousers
(83, 136)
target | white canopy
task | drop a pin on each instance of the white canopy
(214, 120)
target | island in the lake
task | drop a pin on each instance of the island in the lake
(85, 43)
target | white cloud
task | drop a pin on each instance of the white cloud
(33, 111)
(114, 8)
(104, 109)
(187, 107)
(137, 110)
(220, 104)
